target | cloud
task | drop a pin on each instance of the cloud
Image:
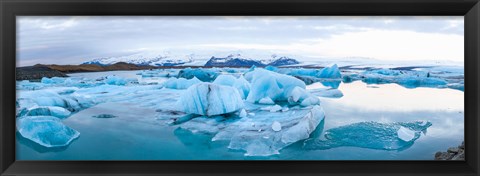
(379, 44)
(50, 39)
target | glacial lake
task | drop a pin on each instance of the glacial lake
(136, 134)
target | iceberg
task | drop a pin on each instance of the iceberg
(53, 80)
(210, 99)
(204, 75)
(115, 80)
(260, 133)
(47, 131)
(408, 79)
(226, 80)
(331, 72)
(275, 86)
(268, 132)
(181, 83)
(48, 111)
(241, 84)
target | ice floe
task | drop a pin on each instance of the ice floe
(47, 131)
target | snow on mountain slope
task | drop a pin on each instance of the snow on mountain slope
(242, 60)
(219, 59)
(146, 58)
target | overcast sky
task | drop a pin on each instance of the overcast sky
(73, 40)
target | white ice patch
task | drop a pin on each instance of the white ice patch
(266, 100)
(276, 126)
(272, 108)
(405, 134)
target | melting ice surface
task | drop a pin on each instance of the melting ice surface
(360, 121)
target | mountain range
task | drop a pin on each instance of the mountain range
(168, 59)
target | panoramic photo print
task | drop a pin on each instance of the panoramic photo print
(240, 88)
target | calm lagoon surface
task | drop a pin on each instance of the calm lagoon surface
(136, 134)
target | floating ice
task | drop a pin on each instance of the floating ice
(258, 134)
(204, 75)
(331, 71)
(373, 135)
(210, 99)
(242, 85)
(53, 80)
(120, 81)
(271, 68)
(272, 108)
(266, 100)
(48, 111)
(243, 113)
(276, 126)
(226, 80)
(277, 87)
(47, 131)
(52, 98)
(405, 134)
(181, 83)
(408, 79)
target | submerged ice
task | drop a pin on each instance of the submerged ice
(373, 135)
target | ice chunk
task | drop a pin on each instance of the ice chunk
(276, 126)
(210, 99)
(53, 80)
(226, 80)
(49, 111)
(47, 131)
(243, 113)
(269, 84)
(302, 97)
(115, 80)
(266, 100)
(331, 71)
(204, 75)
(408, 79)
(272, 108)
(304, 72)
(181, 83)
(271, 68)
(405, 134)
(242, 85)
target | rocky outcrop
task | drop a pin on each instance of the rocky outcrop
(37, 72)
(453, 153)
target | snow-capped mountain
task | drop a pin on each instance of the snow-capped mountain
(222, 59)
(239, 60)
(146, 58)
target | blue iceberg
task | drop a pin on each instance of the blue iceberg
(210, 99)
(181, 83)
(275, 87)
(47, 131)
(241, 84)
(48, 111)
(204, 75)
(331, 72)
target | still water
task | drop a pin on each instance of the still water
(135, 134)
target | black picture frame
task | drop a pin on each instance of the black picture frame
(9, 9)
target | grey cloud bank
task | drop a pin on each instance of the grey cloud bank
(73, 40)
